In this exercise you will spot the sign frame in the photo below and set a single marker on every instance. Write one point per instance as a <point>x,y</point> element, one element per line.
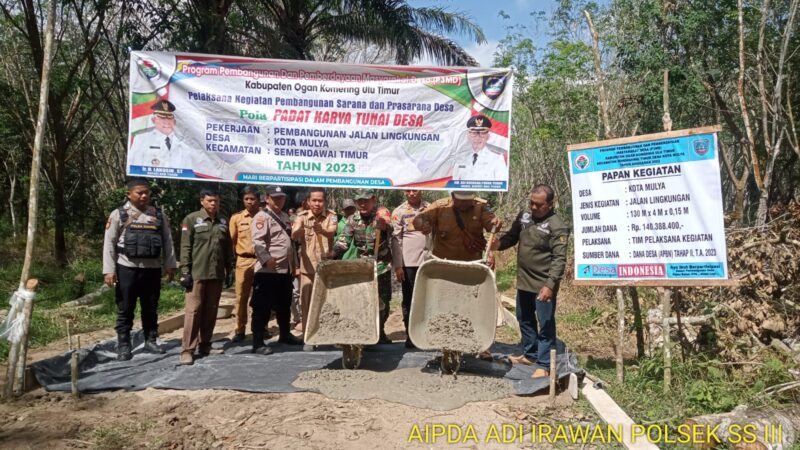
<point>656,282</point>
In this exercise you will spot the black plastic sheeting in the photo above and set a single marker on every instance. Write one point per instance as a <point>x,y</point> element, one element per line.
<point>238,369</point>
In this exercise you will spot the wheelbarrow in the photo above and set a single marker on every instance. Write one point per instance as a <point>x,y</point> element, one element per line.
<point>453,309</point>
<point>345,308</point>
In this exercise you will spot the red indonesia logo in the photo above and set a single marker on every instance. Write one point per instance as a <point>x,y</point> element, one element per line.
<point>641,270</point>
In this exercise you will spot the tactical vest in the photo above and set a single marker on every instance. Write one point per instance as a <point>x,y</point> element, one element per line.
<point>142,240</point>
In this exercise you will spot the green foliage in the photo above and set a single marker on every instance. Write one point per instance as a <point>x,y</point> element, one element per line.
<point>57,286</point>
<point>506,276</point>
<point>582,318</point>
<point>700,385</point>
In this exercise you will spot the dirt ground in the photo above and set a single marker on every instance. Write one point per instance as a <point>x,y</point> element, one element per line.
<point>236,420</point>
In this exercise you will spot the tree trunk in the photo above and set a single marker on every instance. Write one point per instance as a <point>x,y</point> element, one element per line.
<point>18,352</point>
<point>13,179</point>
<point>598,70</point>
<point>766,429</point>
<point>60,218</point>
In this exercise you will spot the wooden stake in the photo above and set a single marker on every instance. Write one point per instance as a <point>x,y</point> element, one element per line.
<point>553,367</point>
<point>666,312</point>
<point>637,321</point>
<point>620,335</point>
<point>74,372</point>
<point>666,299</point>
<point>69,337</point>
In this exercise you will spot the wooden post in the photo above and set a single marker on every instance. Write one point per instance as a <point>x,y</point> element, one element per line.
<point>620,335</point>
<point>666,299</point>
<point>553,370</point>
<point>74,372</point>
<point>637,321</point>
<point>666,312</point>
<point>69,338</point>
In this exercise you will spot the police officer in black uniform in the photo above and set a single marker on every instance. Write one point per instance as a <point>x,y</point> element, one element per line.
<point>137,241</point>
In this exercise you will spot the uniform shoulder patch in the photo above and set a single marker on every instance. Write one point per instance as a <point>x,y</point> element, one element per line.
<point>563,238</point>
<point>440,203</point>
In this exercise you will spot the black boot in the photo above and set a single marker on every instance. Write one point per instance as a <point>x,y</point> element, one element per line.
<point>124,347</point>
<point>150,343</point>
<point>290,339</point>
<point>285,327</point>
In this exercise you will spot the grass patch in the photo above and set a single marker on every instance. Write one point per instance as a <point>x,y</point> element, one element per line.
<point>700,385</point>
<point>581,318</point>
<point>57,286</point>
<point>506,276</point>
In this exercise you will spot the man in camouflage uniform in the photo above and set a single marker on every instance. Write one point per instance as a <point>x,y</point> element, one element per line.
<point>359,230</point>
<point>541,258</point>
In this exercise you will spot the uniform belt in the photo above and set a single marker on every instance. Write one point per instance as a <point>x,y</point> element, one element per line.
<point>246,255</point>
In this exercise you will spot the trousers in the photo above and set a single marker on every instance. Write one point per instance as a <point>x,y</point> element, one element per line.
<point>132,284</point>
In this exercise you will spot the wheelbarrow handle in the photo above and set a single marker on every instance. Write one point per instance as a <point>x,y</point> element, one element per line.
<point>377,243</point>
<point>489,243</point>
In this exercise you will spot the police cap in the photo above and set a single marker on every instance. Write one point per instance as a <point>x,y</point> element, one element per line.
<point>479,122</point>
<point>275,191</point>
<point>464,195</point>
<point>163,108</point>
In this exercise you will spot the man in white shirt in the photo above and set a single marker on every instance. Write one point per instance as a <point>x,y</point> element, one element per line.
<point>481,164</point>
<point>160,147</point>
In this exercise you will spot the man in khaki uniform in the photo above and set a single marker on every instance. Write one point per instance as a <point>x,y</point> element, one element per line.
<point>457,224</point>
<point>274,270</point>
<point>206,259</point>
<point>314,228</point>
<point>240,226</point>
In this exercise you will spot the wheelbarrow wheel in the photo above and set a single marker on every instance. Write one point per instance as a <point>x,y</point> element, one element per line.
<point>451,361</point>
<point>351,356</point>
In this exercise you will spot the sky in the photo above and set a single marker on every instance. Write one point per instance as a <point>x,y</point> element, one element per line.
<point>486,13</point>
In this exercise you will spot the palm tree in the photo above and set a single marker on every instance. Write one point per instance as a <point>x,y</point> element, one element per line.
<point>297,29</point>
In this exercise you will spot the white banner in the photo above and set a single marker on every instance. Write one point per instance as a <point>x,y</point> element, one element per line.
<point>649,207</point>
<point>283,122</point>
